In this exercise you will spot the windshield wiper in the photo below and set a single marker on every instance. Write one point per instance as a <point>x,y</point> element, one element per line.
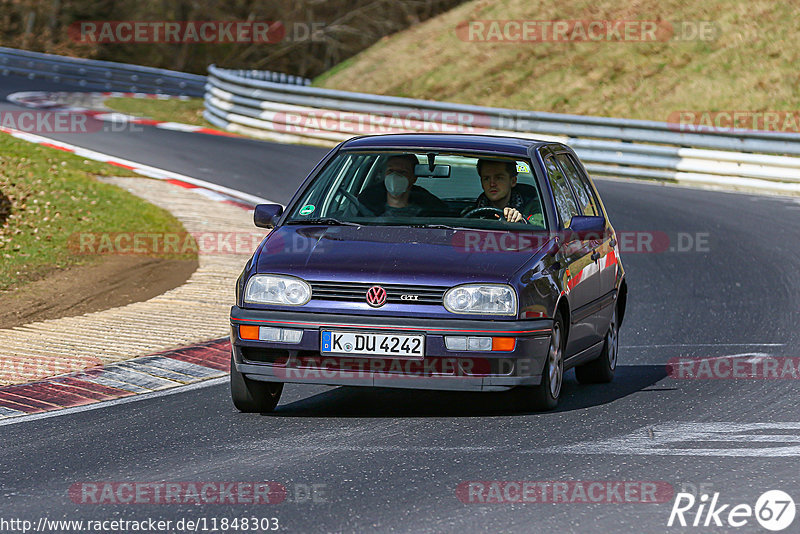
<point>330,221</point>
<point>440,227</point>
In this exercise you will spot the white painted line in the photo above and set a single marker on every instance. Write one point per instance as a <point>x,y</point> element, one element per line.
<point>682,439</point>
<point>139,168</point>
<point>8,412</point>
<point>756,358</point>
<point>116,402</point>
<point>178,126</point>
<point>752,357</point>
<point>213,195</point>
<point>689,345</point>
<point>329,447</point>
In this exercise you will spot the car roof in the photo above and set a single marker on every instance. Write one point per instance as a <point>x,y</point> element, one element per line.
<point>513,146</point>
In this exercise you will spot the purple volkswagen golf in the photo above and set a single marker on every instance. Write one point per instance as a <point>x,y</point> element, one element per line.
<point>433,261</point>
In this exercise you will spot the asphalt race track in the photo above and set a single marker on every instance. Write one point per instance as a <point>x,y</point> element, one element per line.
<point>238,162</point>
<point>391,460</point>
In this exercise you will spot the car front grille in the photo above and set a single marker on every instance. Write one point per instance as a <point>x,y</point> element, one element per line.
<point>395,293</point>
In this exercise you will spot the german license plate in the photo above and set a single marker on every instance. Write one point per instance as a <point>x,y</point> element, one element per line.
<point>373,344</point>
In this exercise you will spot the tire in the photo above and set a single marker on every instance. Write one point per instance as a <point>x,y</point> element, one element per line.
<point>601,370</point>
<point>545,396</point>
<point>253,396</point>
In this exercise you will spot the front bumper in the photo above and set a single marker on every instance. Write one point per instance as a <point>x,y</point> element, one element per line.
<point>440,369</point>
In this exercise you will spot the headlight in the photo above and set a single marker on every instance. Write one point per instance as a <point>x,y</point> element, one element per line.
<point>277,289</point>
<point>492,299</point>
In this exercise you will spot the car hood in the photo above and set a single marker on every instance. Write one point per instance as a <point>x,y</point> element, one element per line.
<point>387,254</point>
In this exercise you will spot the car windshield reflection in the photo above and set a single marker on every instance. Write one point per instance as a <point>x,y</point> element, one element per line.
<point>425,190</point>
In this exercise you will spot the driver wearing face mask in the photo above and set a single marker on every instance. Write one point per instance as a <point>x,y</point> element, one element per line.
<point>397,195</point>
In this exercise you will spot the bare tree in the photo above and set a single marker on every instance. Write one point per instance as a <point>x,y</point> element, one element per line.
<point>318,33</point>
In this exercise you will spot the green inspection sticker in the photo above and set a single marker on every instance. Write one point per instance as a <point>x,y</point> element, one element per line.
<point>307,209</point>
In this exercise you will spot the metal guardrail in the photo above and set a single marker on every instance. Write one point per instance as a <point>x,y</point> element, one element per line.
<point>99,75</point>
<point>254,103</point>
<point>270,76</point>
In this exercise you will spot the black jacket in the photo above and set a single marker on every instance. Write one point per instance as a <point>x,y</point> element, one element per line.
<point>374,198</point>
<point>529,194</point>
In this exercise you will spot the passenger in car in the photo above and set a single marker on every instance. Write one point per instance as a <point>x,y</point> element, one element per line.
<point>501,190</point>
<point>397,195</point>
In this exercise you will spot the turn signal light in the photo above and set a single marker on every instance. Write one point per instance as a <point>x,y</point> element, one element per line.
<point>247,331</point>
<point>503,343</point>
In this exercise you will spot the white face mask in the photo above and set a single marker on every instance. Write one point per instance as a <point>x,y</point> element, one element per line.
<point>396,184</point>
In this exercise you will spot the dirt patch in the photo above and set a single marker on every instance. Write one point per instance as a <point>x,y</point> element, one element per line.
<point>115,281</point>
<point>5,208</point>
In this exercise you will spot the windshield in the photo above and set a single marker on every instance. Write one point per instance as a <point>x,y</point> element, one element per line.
<point>423,189</point>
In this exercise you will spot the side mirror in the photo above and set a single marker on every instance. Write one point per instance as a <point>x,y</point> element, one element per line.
<point>588,228</point>
<point>265,215</point>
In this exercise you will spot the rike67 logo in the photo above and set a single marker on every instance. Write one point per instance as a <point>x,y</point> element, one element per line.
<point>774,510</point>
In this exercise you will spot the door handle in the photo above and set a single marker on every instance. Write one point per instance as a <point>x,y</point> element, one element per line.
<point>595,256</point>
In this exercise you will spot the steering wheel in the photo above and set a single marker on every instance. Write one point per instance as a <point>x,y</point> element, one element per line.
<point>362,209</point>
<point>488,210</point>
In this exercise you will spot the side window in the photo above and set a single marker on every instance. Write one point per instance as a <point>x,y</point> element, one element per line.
<point>565,203</point>
<point>587,206</point>
<point>336,203</point>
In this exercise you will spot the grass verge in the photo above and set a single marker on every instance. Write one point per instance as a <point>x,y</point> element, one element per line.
<point>183,111</point>
<point>50,195</point>
<point>748,65</point>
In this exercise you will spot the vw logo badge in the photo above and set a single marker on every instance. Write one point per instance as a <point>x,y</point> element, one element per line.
<point>376,296</point>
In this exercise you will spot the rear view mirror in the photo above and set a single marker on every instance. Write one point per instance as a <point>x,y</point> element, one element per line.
<point>266,215</point>
<point>588,228</point>
<point>439,171</point>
